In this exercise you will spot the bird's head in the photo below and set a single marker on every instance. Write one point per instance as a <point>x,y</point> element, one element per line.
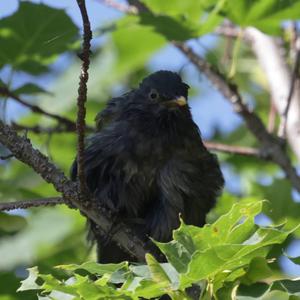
<point>165,88</point>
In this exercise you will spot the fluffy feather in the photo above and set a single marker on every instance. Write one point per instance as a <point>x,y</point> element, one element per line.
<point>147,162</point>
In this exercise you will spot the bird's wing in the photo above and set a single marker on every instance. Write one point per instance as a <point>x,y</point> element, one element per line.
<point>187,185</point>
<point>111,170</point>
<point>105,117</point>
<point>112,110</point>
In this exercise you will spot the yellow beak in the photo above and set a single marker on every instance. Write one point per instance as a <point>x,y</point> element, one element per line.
<point>181,101</point>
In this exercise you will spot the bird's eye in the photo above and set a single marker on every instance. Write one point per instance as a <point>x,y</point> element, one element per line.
<point>153,95</point>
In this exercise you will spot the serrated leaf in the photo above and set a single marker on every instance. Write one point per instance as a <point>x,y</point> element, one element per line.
<point>95,268</point>
<point>51,283</point>
<point>149,289</point>
<point>86,288</point>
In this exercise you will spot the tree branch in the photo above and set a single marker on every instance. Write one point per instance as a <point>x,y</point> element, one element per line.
<point>82,96</point>
<point>4,91</point>
<point>5,157</point>
<point>269,55</point>
<point>246,151</point>
<point>6,206</point>
<point>128,9</point>
<point>22,149</point>
<point>60,128</point>
<point>295,77</point>
<point>272,117</point>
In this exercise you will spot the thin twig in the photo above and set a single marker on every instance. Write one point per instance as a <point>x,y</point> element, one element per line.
<point>245,151</point>
<point>25,204</point>
<point>82,95</point>
<point>4,91</point>
<point>295,77</point>
<point>60,128</point>
<point>228,30</point>
<point>272,117</point>
<point>128,9</point>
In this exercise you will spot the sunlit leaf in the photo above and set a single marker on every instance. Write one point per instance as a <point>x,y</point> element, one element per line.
<point>30,282</point>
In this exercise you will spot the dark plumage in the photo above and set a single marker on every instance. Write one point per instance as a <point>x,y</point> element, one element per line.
<point>147,162</point>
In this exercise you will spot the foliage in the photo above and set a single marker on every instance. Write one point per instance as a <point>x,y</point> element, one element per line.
<point>227,257</point>
<point>231,257</point>
<point>30,52</point>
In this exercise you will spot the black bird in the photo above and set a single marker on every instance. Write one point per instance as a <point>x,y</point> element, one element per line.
<point>147,162</point>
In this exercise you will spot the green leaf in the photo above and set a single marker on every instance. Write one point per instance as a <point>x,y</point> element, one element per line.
<point>84,287</point>
<point>95,268</point>
<point>11,223</point>
<point>31,43</point>
<point>278,295</point>
<point>295,260</point>
<point>266,15</point>
<point>53,284</point>
<point>30,88</point>
<point>258,269</point>
<point>254,291</point>
<point>157,272</point>
<point>168,27</point>
<point>231,264</point>
<point>130,53</point>
<point>228,244</point>
<point>188,9</point>
<point>278,195</point>
<point>177,255</point>
<point>149,289</point>
<point>290,285</point>
<point>183,20</point>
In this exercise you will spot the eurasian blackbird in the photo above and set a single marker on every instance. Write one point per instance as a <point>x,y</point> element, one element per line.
<point>147,163</point>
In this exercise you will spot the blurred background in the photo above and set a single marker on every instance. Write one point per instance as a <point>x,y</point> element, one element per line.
<point>120,59</point>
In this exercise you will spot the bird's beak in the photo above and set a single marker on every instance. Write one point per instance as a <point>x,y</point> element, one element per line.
<point>180,101</point>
